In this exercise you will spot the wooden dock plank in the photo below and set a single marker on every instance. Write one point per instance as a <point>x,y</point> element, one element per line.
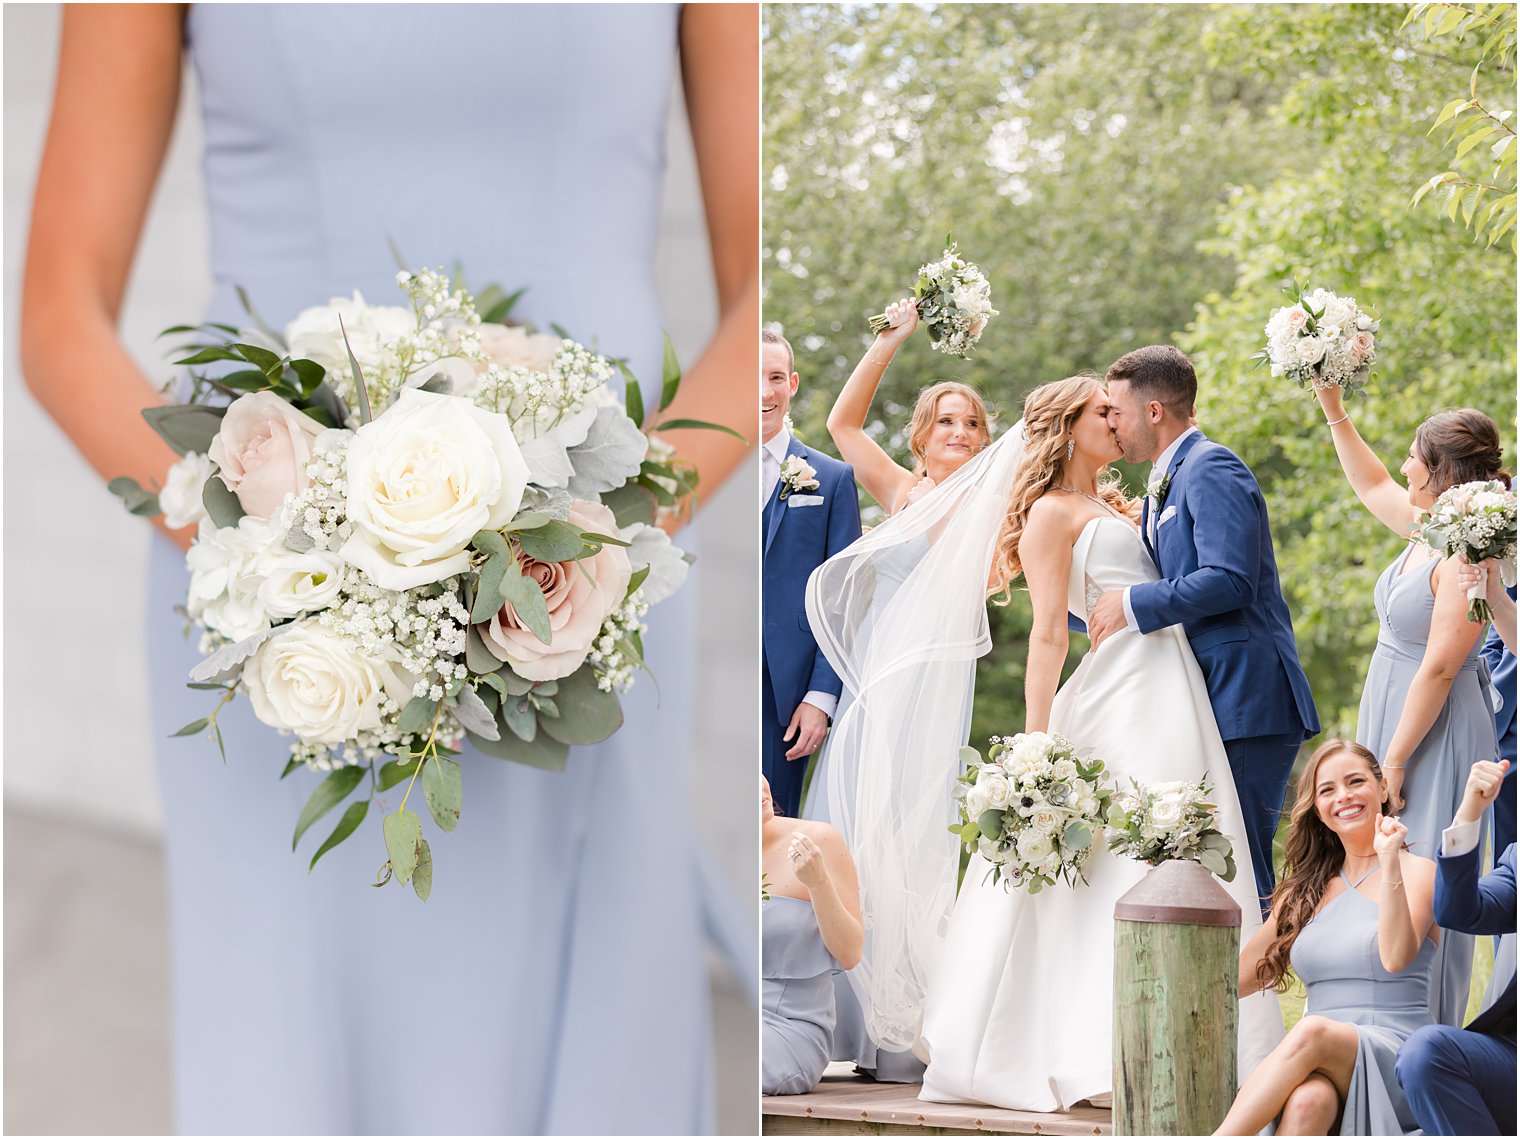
<point>847,1104</point>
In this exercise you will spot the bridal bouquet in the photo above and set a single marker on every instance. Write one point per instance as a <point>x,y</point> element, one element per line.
<point>1321,339</point>
<point>1033,808</point>
<point>1474,521</point>
<point>954,299</point>
<point>416,526</point>
<point>1158,822</point>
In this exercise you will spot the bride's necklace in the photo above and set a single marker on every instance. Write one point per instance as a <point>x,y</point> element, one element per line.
<point>1092,498</point>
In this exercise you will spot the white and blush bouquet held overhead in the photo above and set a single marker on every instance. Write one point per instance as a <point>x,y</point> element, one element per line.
<point>1321,339</point>
<point>1474,521</point>
<point>1033,809</point>
<point>416,526</point>
<point>954,300</point>
<point>1158,822</point>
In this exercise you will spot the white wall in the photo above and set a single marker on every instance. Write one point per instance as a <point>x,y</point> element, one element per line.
<point>74,566</point>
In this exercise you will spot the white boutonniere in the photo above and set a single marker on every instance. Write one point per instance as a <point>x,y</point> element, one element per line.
<point>797,475</point>
<point>1159,484</point>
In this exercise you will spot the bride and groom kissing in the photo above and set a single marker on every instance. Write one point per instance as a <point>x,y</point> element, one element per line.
<point>1193,673</point>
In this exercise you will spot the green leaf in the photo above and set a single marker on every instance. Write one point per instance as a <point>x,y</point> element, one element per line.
<point>186,427</point>
<point>527,601</point>
<point>990,823</point>
<point>602,539</point>
<point>699,425</point>
<point>488,591</point>
<point>394,772</point>
<point>969,755</point>
<point>491,543</point>
<point>587,714</point>
<point>1077,837</point>
<point>195,727</point>
<point>543,752</point>
<point>263,359</point>
<point>329,793</point>
<point>1212,861</point>
<point>422,873</point>
<point>477,658</point>
<point>442,787</point>
<point>630,504</point>
<point>359,388</point>
<point>637,579</point>
<point>493,680</point>
<point>143,503</point>
<point>403,841</point>
<point>309,375</point>
<point>220,503</point>
<point>553,542</point>
<point>417,715</point>
<point>292,764</point>
<point>208,356</point>
<point>670,375</point>
<point>633,398</point>
<point>1450,21</point>
<point>1474,139</point>
<point>527,520</point>
<point>518,714</point>
<point>1447,112</point>
<point>346,826</point>
<point>253,315</point>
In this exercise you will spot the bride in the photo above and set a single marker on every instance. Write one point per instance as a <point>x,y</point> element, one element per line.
<point>1008,995</point>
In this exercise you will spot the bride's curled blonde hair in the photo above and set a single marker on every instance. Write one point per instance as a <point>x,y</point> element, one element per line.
<point>1049,414</point>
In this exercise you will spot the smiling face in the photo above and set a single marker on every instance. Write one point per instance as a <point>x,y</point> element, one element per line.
<point>1417,477</point>
<point>1347,795</point>
<point>778,384</point>
<point>1134,422</point>
<point>1091,433</point>
<point>955,434</point>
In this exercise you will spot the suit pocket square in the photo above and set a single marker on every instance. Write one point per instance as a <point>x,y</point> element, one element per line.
<point>804,500</point>
<point>1166,516</point>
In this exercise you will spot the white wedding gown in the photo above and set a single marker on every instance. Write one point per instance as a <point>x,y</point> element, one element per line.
<point>1018,1008</point>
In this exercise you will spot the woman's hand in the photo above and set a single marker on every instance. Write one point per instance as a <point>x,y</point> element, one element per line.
<point>1388,838</point>
<point>1331,400</point>
<point>902,317</point>
<point>922,487</point>
<point>807,861</point>
<point>1393,783</point>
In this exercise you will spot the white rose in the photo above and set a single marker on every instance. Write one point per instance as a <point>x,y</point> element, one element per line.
<point>261,451</point>
<point>976,803</point>
<point>1045,819</point>
<point>302,583</point>
<point>423,478</point>
<point>1166,812</point>
<point>1066,770</point>
<point>317,335</point>
<point>1364,322</point>
<point>1311,350</point>
<point>227,567</point>
<point>1035,846</point>
<point>181,499</point>
<point>322,687</point>
<point>999,791</point>
<point>989,850</point>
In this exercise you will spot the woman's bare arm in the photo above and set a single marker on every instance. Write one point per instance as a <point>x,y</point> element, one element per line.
<point>1369,479</point>
<point>720,72</point>
<point>875,470</point>
<point>113,113</point>
<point>1045,553</point>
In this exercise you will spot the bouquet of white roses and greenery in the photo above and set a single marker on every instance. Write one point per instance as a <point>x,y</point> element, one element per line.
<point>954,300</point>
<point>1158,822</point>
<point>1033,808</point>
<point>417,525</point>
<point>1321,339</point>
<point>1474,521</point>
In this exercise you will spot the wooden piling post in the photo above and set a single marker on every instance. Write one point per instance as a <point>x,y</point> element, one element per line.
<point>1176,1009</point>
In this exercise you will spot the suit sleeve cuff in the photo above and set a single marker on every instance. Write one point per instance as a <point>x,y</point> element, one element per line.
<point>1459,839</point>
<point>1129,612</point>
<point>825,702</point>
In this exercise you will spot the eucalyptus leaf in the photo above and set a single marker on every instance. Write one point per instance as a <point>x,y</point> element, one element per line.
<point>530,520</point>
<point>990,823</point>
<point>220,503</point>
<point>417,715</point>
<point>422,873</point>
<point>477,658</point>
<point>552,542</point>
<point>493,680</point>
<point>346,826</point>
<point>442,787</point>
<point>631,503</point>
<point>394,772</point>
<point>542,752</point>
<point>329,793</point>
<point>488,590</point>
<point>143,503</point>
<point>188,428</point>
<point>515,685</point>
<point>472,713</point>
<point>611,455</point>
<point>520,718</point>
<point>403,842</point>
<point>1212,861</point>
<point>587,714</point>
<point>195,727</point>
<point>527,601</point>
<point>1077,837</point>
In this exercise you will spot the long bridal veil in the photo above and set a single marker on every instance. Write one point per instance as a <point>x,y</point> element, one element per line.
<point>901,615</point>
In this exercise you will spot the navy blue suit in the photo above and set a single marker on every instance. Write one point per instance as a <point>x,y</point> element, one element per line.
<point>797,539</point>
<point>1461,1081</point>
<point>1219,582</point>
<point>1501,666</point>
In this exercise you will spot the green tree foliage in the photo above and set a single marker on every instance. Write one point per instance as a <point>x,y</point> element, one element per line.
<point>1127,175</point>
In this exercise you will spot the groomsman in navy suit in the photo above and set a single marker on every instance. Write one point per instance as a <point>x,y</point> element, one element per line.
<point>1461,1081</point>
<point>809,512</point>
<point>1204,522</point>
<point>1501,667</point>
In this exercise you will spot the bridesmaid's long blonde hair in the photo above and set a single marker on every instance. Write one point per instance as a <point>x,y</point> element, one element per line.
<point>1049,413</point>
<point>923,418</point>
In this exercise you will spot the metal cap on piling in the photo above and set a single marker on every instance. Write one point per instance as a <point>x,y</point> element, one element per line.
<point>1179,892</point>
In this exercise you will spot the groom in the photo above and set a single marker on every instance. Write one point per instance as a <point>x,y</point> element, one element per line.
<point>1204,522</point>
<point>809,512</point>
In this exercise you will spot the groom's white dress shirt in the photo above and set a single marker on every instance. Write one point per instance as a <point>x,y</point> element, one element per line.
<point>772,455</point>
<point>1163,461</point>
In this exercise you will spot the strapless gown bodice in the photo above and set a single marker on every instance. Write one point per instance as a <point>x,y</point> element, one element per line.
<point>1104,558</point>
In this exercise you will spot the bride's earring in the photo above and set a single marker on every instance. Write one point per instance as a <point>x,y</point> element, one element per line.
<point>1071,446</point>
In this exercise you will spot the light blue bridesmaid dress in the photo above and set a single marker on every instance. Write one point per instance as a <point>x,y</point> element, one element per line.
<point>1435,775</point>
<point>1336,957</point>
<point>555,981</point>
<point>797,998</point>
